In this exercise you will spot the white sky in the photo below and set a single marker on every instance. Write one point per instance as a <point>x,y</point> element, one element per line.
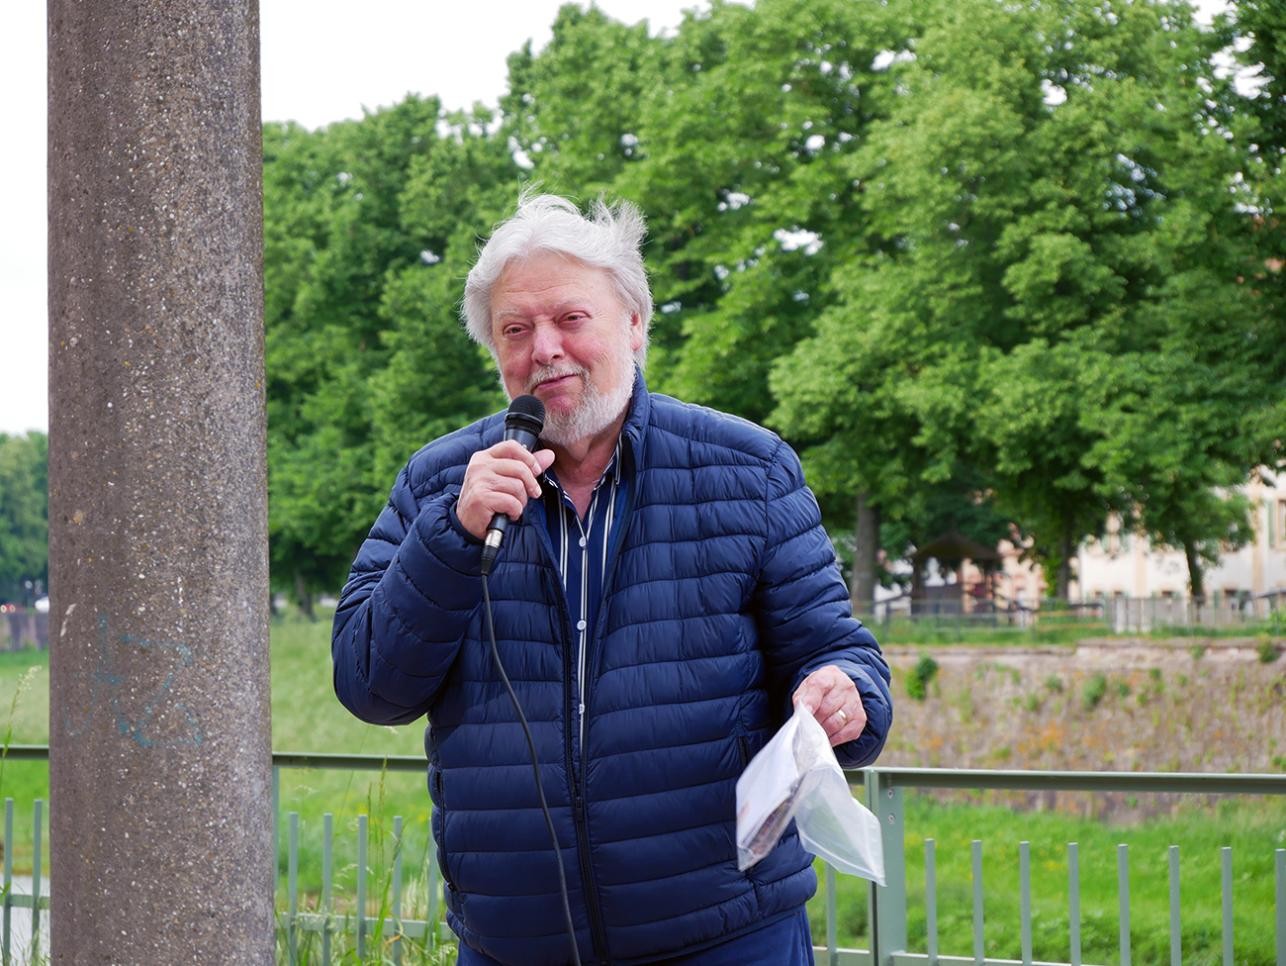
<point>322,60</point>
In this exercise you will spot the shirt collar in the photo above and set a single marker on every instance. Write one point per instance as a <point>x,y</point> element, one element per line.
<point>612,472</point>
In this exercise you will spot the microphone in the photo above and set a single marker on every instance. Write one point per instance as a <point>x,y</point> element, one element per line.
<point>524,421</point>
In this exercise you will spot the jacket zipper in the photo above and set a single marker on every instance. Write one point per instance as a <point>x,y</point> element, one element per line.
<point>575,705</point>
<point>579,810</point>
<point>578,777</point>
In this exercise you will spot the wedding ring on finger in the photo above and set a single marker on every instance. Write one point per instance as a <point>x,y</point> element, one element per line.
<point>843,718</point>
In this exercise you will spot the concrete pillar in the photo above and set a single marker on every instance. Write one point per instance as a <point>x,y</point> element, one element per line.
<point>159,720</point>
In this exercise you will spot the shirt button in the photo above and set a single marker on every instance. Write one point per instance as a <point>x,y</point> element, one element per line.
<point>580,625</point>
<point>582,541</point>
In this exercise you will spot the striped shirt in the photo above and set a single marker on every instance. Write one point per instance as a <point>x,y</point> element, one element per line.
<point>581,546</point>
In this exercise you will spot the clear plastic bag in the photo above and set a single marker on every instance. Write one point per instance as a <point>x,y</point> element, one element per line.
<point>796,776</point>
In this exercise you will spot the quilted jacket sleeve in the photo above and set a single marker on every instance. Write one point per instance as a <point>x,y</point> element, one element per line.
<point>408,601</point>
<point>804,615</point>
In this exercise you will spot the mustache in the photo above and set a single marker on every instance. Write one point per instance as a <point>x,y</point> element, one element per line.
<point>546,373</point>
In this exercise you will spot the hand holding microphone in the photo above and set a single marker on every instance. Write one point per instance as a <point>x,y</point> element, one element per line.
<point>501,479</point>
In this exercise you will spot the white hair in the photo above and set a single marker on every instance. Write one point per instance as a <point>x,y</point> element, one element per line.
<point>610,239</point>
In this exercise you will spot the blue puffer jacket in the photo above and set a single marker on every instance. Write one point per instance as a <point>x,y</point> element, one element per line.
<point>722,596</point>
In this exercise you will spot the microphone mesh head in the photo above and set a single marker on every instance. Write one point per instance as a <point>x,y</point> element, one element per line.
<point>526,410</point>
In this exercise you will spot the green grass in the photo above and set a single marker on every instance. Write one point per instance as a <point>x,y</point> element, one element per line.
<point>948,630</point>
<point>1053,628</point>
<point>306,717</point>
<point>1252,827</point>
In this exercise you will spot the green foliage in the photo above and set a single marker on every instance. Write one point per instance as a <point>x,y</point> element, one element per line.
<point>917,682</point>
<point>574,109</point>
<point>369,228</point>
<point>1002,270</point>
<point>1058,271</point>
<point>750,217</point>
<point>1268,652</point>
<point>1093,693</point>
<point>24,514</point>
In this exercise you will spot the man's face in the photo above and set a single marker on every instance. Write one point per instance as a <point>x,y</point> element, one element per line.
<point>562,334</point>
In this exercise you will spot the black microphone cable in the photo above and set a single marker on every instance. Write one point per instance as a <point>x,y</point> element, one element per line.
<point>523,423</point>
<point>535,767</point>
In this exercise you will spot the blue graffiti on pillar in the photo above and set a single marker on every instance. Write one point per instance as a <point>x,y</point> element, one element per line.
<point>109,689</point>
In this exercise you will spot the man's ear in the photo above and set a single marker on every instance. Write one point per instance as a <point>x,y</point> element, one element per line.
<point>636,331</point>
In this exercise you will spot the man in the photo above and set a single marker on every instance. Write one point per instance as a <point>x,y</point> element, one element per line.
<point>664,594</point>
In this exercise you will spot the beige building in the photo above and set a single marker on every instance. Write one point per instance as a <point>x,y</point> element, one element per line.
<point>1126,565</point>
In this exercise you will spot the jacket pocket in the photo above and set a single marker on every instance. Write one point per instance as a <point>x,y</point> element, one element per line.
<point>439,824</point>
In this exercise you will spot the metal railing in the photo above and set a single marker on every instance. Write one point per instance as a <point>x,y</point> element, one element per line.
<point>389,926</point>
<point>887,905</point>
<point>884,793</point>
<point>1092,617</point>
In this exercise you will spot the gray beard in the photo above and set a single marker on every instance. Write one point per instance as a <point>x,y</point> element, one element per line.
<point>596,412</point>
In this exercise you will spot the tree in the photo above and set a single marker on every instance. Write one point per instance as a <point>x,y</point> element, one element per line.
<point>1051,181</point>
<point>437,379</point>
<point>751,215</point>
<point>573,109</point>
<point>24,514</point>
<point>333,234</point>
<point>1263,24</point>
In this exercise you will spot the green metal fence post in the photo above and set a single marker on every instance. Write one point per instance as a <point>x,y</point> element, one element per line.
<point>276,820</point>
<point>931,901</point>
<point>434,888</point>
<point>979,906</point>
<point>397,890</point>
<point>1074,904</point>
<point>328,831</point>
<point>888,920</point>
<point>832,945</point>
<point>1226,856</point>
<point>1024,899</point>
<point>292,891</point>
<point>8,878</point>
<point>361,886</point>
<point>1123,893</point>
<point>1280,856</point>
<point>37,827</point>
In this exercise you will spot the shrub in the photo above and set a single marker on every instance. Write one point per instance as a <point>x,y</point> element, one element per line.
<point>917,683</point>
<point>1095,689</point>
<point>1268,652</point>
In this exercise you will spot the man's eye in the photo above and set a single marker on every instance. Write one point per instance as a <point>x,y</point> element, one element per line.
<point>512,330</point>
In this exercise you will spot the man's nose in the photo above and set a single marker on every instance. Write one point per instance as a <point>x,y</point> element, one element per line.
<point>547,344</point>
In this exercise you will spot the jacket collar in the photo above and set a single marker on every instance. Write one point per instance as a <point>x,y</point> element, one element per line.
<point>634,432</point>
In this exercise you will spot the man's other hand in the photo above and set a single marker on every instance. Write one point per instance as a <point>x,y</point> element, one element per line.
<point>499,480</point>
<point>832,697</point>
